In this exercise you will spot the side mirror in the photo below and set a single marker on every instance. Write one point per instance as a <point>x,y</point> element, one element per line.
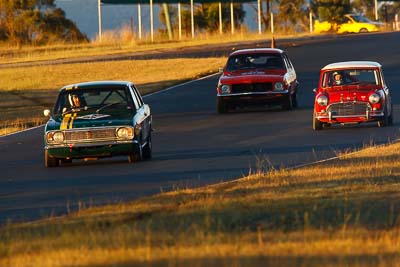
<point>220,70</point>
<point>46,112</point>
<point>314,90</point>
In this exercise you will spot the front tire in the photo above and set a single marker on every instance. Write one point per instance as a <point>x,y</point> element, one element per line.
<point>287,103</point>
<point>135,157</point>
<point>317,125</point>
<point>222,106</point>
<point>50,161</point>
<point>148,149</point>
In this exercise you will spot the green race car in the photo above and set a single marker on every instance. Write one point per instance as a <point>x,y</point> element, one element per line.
<point>95,120</point>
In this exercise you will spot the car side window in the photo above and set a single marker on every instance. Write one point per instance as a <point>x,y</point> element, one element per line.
<point>287,62</point>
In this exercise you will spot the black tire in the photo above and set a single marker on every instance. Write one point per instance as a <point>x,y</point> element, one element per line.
<point>384,121</point>
<point>317,125</point>
<point>222,106</point>
<point>148,148</point>
<point>287,103</point>
<point>135,157</point>
<point>390,118</point>
<point>50,161</point>
<point>294,100</point>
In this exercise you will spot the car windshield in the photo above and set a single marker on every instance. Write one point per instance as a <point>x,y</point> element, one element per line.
<point>255,61</point>
<point>350,77</point>
<point>94,100</point>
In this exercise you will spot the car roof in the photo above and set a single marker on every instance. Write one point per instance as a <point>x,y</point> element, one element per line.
<point>258,50</point>
<point>352,64</point>
<point>95,84</point>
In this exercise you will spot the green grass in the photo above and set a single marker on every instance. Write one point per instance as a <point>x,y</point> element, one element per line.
<point>339,213</point>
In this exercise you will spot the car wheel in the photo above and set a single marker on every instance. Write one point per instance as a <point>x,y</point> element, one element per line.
<point>363,30</point>
<point>317,125</point>
<point>222,106</point>
<point>390,118</point>
<point>294,100</point>
<point>384,121</point>
<point>148,148</point>
<point>287,103</point>
<point>135,157</point>
<point>50,161</point>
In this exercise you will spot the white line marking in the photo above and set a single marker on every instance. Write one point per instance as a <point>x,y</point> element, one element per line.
<point>155,93</point>
<point>179,85</point>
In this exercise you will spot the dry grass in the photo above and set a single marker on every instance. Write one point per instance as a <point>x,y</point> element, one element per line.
<point>37,87</point>
<point>121,41</point>
<point>339,213</point>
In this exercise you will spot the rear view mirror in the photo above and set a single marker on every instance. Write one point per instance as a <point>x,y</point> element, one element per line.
<point>220,70</point>
<point>46,112</point>
<point>314,90</point>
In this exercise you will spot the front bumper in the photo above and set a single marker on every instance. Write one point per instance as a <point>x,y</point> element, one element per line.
<point>330,117</point>
<point>255,97</point>
<point>95,150</point>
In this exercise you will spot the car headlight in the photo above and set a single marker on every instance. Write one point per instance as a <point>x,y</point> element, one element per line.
<point>225,89</point>
<point>322,100</point>
<point>374,98</point>
<point>55,137</point>
<point>278,86</point>
<point>125,132</point>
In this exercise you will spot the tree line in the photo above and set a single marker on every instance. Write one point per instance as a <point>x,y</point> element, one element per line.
<point>38,22</point>
<point>289,15</point>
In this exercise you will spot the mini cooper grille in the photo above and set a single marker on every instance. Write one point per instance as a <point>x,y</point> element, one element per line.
<point>89,135</point>
<point>349,108</point>
<point>251,87</point>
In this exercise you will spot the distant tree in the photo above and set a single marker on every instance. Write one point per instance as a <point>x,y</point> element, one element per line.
<point>365,7</point>
<point>293,15</point>
<point>36,22</point>
<point>206,17</point>
<point>331,10</point>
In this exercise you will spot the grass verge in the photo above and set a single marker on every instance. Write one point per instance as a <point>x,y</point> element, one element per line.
<point>343,212</point>
<point>114,43</point>
<point>26,91</point>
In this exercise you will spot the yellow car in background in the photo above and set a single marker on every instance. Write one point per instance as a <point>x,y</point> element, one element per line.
<point>350,23</point>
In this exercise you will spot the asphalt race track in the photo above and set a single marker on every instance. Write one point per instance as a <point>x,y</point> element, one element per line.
<point>193,145</point>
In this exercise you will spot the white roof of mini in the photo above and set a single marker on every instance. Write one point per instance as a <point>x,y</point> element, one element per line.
<point>352,64</point>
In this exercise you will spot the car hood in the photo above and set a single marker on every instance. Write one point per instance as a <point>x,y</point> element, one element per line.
<point>253,76</point>
<point>87,119</point>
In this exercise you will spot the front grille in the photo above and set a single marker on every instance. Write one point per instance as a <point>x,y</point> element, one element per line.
<point>251,87</point>
<point>90,135</point>
<point>349,108</point>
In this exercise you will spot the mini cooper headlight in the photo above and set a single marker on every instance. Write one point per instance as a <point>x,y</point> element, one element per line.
<point>225,89</point>
<point>278,86</point>
<point>374,98</point>
<point>55,137</point>
<point>125,132</point>
<point>322,100</point>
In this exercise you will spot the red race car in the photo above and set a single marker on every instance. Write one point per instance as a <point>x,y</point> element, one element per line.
<point>261,76</point>
<point>352,92</point>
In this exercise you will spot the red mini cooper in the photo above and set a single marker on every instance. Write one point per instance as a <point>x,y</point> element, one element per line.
<point>352,92</point>
<point>261,76</point>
